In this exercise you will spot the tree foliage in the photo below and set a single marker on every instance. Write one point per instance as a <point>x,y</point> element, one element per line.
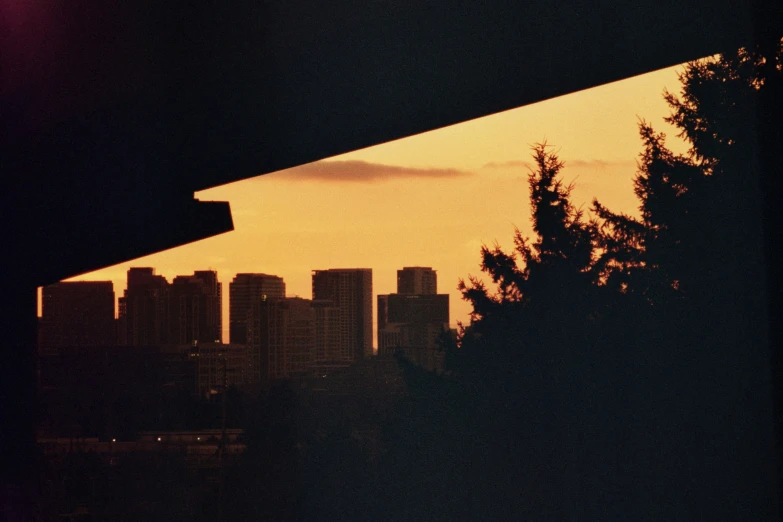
<point>560,257</point>
<point>630,319</point>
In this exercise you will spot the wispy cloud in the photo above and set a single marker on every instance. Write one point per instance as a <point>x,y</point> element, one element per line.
<point>572,163</point>
<point>364,172</point>
<point>600,164</point>
<point>506,164</point>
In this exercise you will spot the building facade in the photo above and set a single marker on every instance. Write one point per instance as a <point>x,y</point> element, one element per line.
<point>282,336</point>
<point>245,291</point>
<point>327,335</point>
<point>219,366</point>
<point>195,309</point>
<point>144,308</point>
<point>417,280</point>
<point>414,323</point>
<point>350,291</point>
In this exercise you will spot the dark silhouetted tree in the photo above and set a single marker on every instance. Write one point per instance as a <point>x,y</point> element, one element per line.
<point>542,285</point>
<point>695,255</point>
<point>632,322</point>
<point>660,253</point>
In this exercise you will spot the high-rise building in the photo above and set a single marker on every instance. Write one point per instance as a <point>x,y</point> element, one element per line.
<point>281,338</point>
<point>244,291</point>
<point>350,290</point>
<point>195,309</point>
<point>413,322</point>
<point>292,336</point>
<point>417,280</point>
<point>215,306</point>
<point>399,308</point>
<point>327,325</point>
<point>122,322</point>
<point>299,344</point>
<point>144,309</point>
<point>77,314</point>
<point>412,317</point>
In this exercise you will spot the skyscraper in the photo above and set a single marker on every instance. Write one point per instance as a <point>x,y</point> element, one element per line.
<point>215,289</point>
<point>326,335</point>
<point>195,309</point>
<point>417,280</point>
<point>400,308</point>
<point>144,309</point>
<point>350,291</point>
<point>413,322</point>
<point>77,314</point>
<point>281,338</point>
<point>245,290</point>
<point>299,343</point>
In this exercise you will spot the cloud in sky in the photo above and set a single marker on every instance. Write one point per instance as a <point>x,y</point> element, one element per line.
<point>364,172</point>
<point>572,163</point>
<point>578,163</point>
<point>507,164</point>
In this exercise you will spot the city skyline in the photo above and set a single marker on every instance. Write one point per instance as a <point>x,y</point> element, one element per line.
<point>413,201</point>
<point>244,288</point>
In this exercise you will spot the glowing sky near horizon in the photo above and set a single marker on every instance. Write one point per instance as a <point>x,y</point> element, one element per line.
<point>428,200</point>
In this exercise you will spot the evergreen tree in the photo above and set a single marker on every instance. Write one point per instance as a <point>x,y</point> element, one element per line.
<point>659,254</point>
<point>700,214</point>
<point>541,285</point>
<point>633,322</point>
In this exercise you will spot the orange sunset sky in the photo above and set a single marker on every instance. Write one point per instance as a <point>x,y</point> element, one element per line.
<point>427,200</point>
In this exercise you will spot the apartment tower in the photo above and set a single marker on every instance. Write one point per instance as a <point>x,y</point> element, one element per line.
<point>350,292</point>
